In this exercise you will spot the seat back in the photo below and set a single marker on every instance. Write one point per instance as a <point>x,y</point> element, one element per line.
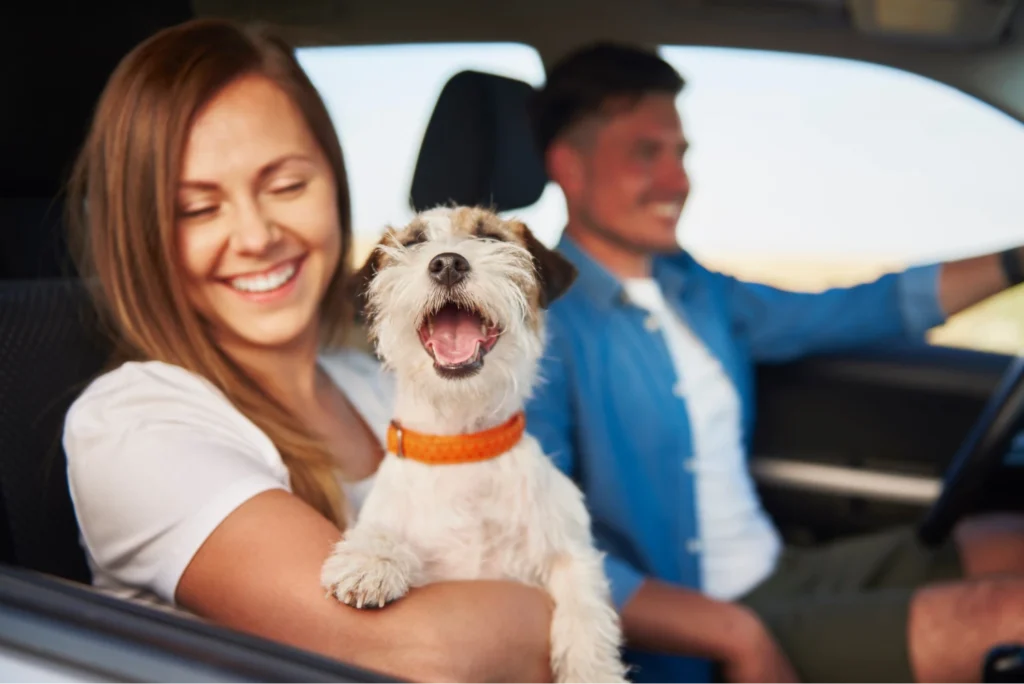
<point>50,348</point>
<point>33,242</point>
<point>478,148</point>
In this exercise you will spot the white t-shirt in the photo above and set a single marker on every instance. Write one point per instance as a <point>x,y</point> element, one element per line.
<point>739,546</point>
<point>157,458</point>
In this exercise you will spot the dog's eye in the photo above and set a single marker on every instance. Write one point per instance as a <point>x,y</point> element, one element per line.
<point>415,239</point>
<point>497,237</point>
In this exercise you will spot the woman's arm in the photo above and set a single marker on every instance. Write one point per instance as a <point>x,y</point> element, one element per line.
<point>259,572</point>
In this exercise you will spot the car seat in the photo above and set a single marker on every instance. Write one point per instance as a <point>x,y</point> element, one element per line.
<point>50,348</point>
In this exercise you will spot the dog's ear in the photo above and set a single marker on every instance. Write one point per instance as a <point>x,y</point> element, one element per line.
<point>362,278</point>
<point>556,273</point>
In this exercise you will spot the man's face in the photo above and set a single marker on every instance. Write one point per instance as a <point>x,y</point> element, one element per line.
<point>631,184</point>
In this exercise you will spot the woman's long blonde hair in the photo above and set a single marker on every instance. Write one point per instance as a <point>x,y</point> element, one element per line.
<point>122,212</point>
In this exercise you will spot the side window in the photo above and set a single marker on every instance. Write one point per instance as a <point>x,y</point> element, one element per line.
<point>381,98</point>
<point>810,172</point>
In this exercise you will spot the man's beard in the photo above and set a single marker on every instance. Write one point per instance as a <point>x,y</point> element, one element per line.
<point>621,241</point>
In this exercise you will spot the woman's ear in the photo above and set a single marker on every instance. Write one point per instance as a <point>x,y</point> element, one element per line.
<point>555,273</point>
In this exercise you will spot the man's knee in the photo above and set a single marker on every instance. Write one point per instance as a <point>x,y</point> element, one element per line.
<point>953,625</point>
<point>991,544</point>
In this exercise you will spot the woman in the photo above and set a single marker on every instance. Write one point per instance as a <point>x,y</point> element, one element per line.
<point>213,467</point>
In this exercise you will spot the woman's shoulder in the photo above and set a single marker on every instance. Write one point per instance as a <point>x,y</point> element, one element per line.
<point>144,389</point>
<point>157,458</point>
<point>151,396</point>
<point>146,376</point>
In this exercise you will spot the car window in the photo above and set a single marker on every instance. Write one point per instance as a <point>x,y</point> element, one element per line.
<point>809,172</point>
<point>381,98</point>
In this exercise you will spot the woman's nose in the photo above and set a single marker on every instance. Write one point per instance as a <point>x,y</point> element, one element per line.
<point>253,232</point>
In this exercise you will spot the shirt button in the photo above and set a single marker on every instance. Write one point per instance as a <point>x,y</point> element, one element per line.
<point>694,546</point>
<point>690,465</point>
<point>679,390</point>
<point>651,323</point>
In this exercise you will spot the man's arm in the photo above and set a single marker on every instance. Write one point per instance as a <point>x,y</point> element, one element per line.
<point>780,325</point>
<point>669,619</point>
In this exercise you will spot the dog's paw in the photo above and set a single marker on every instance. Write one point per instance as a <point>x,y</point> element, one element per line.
<point>364,580</point>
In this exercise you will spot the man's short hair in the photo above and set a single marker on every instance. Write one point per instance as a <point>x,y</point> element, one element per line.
<point>583,82</point>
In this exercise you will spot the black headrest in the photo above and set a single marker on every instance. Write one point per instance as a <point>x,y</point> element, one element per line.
<point>50,348</point>
<point>478,148</point>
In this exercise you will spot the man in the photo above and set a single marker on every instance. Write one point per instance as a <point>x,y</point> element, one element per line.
<point>647,403</point>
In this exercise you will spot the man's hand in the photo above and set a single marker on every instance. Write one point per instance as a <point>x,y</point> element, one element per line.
<point>966,282</point>
<point>666,618</point>
<point>757,657</point>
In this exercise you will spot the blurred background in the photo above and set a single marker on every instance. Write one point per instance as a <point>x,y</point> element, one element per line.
<point>807,171</point>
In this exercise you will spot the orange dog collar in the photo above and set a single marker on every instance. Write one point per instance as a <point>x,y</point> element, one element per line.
<point>452,449</point>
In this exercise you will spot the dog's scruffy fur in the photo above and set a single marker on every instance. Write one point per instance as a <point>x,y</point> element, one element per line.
<point>512,517</point>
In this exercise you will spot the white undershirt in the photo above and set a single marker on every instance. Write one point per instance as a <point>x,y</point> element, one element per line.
<point>739,545</point>
<point>157,458</point>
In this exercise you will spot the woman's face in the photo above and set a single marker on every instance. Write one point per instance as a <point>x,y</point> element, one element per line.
<point>257,218</point>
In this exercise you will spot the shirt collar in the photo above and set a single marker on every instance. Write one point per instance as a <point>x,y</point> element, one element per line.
<point>604,289</point>
<point>593,279</point>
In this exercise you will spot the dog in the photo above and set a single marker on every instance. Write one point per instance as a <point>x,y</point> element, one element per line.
<point>455,306</point>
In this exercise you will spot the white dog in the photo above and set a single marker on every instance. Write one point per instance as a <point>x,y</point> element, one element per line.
<point>455,303</point>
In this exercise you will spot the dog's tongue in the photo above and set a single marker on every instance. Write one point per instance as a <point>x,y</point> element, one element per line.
<point>455,336</point>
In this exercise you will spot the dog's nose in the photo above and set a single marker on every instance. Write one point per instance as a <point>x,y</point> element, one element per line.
<point>448,268</point>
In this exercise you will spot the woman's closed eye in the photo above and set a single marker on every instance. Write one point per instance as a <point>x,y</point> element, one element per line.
<point>288,187</point>
<point>198,211</point>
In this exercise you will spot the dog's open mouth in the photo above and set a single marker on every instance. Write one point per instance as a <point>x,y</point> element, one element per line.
<point>458,338</point>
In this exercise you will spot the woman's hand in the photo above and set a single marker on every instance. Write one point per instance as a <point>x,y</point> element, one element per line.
<point>259,572</point>
<point>471,631</point>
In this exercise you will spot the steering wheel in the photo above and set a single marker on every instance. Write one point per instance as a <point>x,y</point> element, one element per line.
<point>979,456</point>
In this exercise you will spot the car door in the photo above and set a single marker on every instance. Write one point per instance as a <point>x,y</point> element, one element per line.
<point>853,443</point>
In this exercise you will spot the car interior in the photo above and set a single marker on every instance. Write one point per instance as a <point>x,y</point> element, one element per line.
<point>916,434</point>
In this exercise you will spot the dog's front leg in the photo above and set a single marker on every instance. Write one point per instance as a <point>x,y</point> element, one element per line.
<point>585,631</point>
<point>586,635</point>
<point>370,567</point>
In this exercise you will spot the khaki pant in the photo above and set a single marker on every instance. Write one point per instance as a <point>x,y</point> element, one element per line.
<point>840,610</point>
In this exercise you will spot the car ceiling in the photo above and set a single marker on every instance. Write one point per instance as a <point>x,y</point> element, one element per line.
<point>993,73</point>
<point>54,61</point>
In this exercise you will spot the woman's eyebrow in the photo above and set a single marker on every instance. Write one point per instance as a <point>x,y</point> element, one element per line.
<point>272,167</point>
<point>267,170</point>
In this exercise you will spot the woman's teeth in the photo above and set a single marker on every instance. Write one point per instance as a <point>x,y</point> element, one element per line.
<point>266,282</point>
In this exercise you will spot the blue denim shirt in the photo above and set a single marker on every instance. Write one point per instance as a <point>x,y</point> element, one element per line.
<point>606,413</point>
